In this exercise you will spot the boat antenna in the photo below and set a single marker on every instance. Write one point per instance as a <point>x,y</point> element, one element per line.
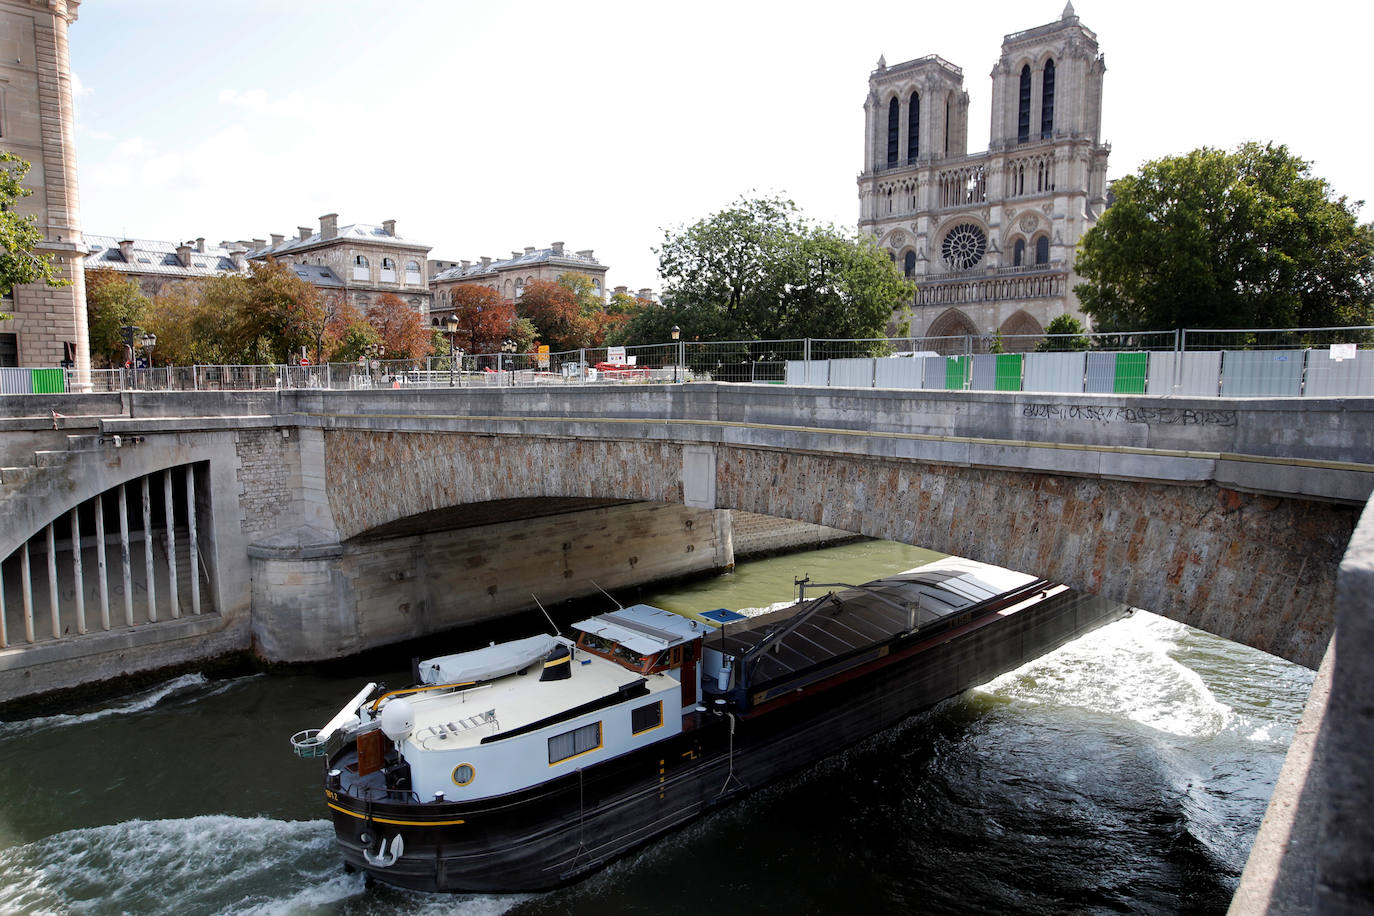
<point>618,605</point>
<point>556,631</point>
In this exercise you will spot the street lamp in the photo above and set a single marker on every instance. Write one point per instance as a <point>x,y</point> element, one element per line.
<point>677,339</point>
<point>452,324</point>
<point>507,347</point>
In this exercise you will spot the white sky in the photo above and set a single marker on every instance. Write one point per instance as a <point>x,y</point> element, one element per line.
<point>484,128</point>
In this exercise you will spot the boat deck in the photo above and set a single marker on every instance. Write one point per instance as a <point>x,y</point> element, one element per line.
<point>855,619</point>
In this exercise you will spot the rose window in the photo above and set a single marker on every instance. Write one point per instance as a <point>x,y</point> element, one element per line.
<point>964,246</point>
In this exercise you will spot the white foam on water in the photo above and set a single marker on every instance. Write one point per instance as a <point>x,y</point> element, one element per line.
<point>204,863</point>
<point>138,703</point>
<point>1124,670</point>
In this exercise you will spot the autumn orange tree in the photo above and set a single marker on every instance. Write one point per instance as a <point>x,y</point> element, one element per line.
<point>399,329</point>
<point>485,320</point>
<point>564,319</point>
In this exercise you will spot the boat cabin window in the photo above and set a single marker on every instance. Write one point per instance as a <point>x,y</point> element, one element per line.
<point>666,660</point>
<point>597,644</point>
<point>646,718</point>
<point>578,741</point>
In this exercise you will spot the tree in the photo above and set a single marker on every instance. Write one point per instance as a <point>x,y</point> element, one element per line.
<point>398,327</point>
<point>759,270</point>
<point>485,319</point>
<point>113,302</point>
<point>1065,333</point>
<point>197,321</point>
<point>277,315</point>
<point>554,309</point>
<point>1228,240</point>
<point>19,236</point>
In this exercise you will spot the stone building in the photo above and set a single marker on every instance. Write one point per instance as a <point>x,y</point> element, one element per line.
<point>363,260</point>
<point>509,277</point>
<point>36,124</point>
<point>153,264</point>
<point>989,238</point>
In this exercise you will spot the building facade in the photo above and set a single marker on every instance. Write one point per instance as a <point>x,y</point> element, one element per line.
<point>153,264</point>
<point>509,277</point>
<point>48,327</point>
<point>363,260</point>
<point>988,238</point>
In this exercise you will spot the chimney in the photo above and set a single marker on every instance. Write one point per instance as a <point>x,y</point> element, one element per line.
<point>586,253</point>
<point>200,244</point>
<point>277,239</point>
<point>621,290</point>
<point>329,225</point>
<point>389,227</point>
<point>184,254</point>
<point>466,264</point>
<point>262,243</point>
<point>305,232</point>
<point>237,256</point>
<point>126,250</point>
<point>558,248</point>
<point>514,255</point>
<point>529,249</point>
<point>486,262</point>
<point>646,293</point>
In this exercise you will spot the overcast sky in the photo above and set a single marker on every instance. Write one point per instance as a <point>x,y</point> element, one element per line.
<point>484,128</point>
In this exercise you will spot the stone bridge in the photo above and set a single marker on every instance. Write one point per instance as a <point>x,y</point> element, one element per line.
<point>309,524</point>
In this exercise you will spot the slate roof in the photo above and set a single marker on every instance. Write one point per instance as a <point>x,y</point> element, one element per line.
<point>538,256</point>
<point>361,232</point>
<point>154,257</point>
<point>317,275</point>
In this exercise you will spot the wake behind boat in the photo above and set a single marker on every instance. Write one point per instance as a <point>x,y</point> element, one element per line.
<point>526,764</point>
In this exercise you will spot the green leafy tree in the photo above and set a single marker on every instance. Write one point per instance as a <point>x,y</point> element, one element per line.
<point>19,236</point>
<point>277,315</point>
<point>196,321</point>
<point>113,301</point>
<point>1248,238</point>
<point>1065,333</point>
<point>759,270</point>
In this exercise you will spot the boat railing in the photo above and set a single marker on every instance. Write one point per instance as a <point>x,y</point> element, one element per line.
<point>366,792</point>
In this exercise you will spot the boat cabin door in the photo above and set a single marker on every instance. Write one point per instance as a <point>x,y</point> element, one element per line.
<point>689,673</point>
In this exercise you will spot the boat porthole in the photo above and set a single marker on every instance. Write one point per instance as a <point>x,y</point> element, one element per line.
<point>463,774</point>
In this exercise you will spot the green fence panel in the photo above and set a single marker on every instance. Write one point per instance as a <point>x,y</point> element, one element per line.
<point>1130,373</point>
<point>1009,371</point>
<point>956,373</point>
<point>48,381</point>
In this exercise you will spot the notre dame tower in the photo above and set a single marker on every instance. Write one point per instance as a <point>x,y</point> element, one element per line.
<point>989,238</point>
<point>37,123</point>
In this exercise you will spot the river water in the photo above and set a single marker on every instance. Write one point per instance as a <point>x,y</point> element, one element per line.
<point>1125,773</point>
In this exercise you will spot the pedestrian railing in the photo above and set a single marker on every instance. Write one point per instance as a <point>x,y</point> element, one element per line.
<point>1303,362</point>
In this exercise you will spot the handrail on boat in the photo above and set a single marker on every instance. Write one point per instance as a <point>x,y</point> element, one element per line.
<point>392,693</point>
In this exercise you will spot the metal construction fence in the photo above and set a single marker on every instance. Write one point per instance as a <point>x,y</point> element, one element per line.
<point>1230,363</point>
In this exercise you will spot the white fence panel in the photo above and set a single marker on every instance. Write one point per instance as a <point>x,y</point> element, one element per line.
<point>1328,378</point>
<point>897,372</point>
<point>1261,373</point>
<point>851,373</point>
<point>1099,376</point>
<point>16,381</point>
<point>984,372</point>
<point>1057,372</point>
<point>1195,373</point>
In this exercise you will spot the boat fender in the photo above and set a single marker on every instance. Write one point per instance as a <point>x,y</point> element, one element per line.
<point>384,858</point>
<point>557,664</point>
<point>723,678</point>
<point>398,719</point>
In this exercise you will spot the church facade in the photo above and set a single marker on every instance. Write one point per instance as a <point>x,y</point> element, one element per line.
<point>988,238</point>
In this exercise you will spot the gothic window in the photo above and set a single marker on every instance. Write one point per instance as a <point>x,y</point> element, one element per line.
<point>1042,250</point>
<point>909,264</point>
<point>946,126</point>
<point>1047,102</point>
<point>964,246</point>
<point>913,123</point>
<point>893,130</point>
<point>1023,110</point>
<point>1018,254</point>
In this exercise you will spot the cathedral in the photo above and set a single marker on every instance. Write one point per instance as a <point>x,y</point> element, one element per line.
<point>988,238</point>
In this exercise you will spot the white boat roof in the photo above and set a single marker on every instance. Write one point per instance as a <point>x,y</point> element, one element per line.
<point>642,628</point>
<point>462,718</point>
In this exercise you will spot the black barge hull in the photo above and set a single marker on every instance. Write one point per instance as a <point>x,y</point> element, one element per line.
<point>559,831</point>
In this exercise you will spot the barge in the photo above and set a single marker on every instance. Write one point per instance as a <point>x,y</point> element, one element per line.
<point>527,764</point>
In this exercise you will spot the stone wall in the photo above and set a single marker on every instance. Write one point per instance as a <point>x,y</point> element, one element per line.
<point>758,535</point>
